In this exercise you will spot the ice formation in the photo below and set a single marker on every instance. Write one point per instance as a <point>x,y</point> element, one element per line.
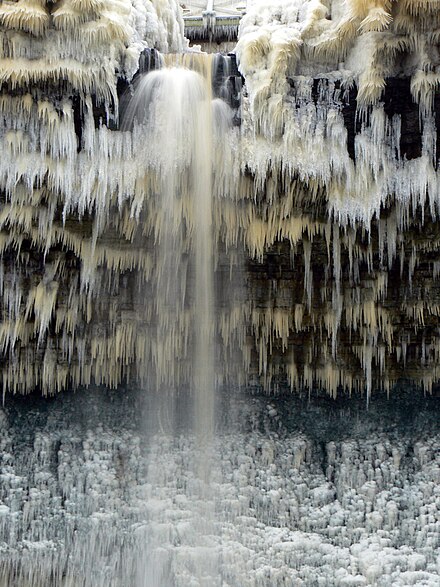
<point>322,228</point>
<point>325,196</point>
<point>286,47</point>
<point>60,64</point>
<point>86,498</point>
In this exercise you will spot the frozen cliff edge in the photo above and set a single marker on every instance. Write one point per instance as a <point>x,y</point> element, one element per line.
<point>326,198</point>
<point>285,46</point>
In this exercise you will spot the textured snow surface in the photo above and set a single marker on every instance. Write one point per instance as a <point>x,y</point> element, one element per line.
<point>302,495</point>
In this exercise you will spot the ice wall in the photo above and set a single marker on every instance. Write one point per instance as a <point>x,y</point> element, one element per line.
<point>364,40</point>
<point>83,43</point>
<point>60,175</point>
<point>284,45</point>
<point>325,196</point>
<point>340,135</point>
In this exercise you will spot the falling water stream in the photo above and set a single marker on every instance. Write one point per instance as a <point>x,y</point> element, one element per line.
<point>173,107</point>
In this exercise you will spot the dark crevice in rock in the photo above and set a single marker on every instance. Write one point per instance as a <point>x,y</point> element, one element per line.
<point>398,101</point>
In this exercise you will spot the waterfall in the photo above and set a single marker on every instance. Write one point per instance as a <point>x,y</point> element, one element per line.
<point>267,221</point>
<point>174,111</point>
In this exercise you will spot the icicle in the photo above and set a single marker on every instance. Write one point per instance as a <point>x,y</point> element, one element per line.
<point>308,274</point>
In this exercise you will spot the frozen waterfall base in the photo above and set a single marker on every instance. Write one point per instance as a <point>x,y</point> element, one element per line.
<point>306,491</point>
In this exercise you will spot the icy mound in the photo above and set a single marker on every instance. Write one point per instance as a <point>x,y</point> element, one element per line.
<point>88,496</point>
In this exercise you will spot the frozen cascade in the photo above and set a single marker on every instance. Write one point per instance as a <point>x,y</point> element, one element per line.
<point>326,168</point>
<point>322,164</point>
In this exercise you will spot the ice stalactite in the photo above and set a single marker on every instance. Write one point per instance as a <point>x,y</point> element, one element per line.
<point>325,194</point>
<point>328,145</point>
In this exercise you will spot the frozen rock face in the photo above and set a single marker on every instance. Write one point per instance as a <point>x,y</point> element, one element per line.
<point>340,134</point>
<point>300,494</point>
<point>325,199</point>
<point>83,43</point>
<point>284,46</point>
<point>365,40</point>
<point>60,63</point>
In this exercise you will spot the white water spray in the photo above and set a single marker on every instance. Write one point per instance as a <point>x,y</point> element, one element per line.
<point>172,107</point>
